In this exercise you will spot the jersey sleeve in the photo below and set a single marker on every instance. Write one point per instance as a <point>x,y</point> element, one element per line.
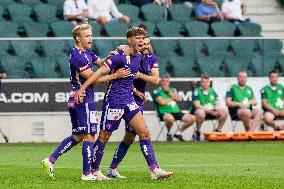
<point>114,61</point>
<point>229,93</point>
<point>94,57</point>
<point>195,96</point>
<point>156,94</point>
<point>251,92</point>
<point>154,62</point>
<point>263,94</point>
<point>80,63</point>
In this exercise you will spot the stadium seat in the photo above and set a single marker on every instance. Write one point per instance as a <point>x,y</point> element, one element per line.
<point>103,47</point>
<point>46,13</point>
<point>52,48</point>
<point>223,29</point>
<point>270,45</point>
<point>115,29</point>
<point>130,10</point>
<point>1,12</point>
<point>248,29</point>
<point>164,48</point>
<point>183,66</point>
<point>210,65</point>
<point>8,29</point>
<point>191,48</point>
<point>32,3</point>
<point>44,68</point>
<point>169,28</point>
<point>262,65</point>
<point>4,45</point>
<point>241,47</point>
<point>62,29</point>
<point>180,13</point>
<point>18,74</point>
<point>217,47</point>
<point>151,26</point>
<point>281,64</point>
<point>25,48</point>
<point>57,3</point>
<point>235,65</point>
<point>34,29</point>
<point>153,13</point>
<point>164,66</point>
<point>197,29</point>
<point>19,11</point>
<point>5,3</point>
<point>11,63</point>
<point>96,29</point>
<point>63,64</point>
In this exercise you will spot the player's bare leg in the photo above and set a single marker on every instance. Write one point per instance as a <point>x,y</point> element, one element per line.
<point>257,115</point>
<point>222,117</point>
<point>245,116</point>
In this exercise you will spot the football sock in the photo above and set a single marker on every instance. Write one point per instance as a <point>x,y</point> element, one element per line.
<point>148,152</point>
<point>119,154</point>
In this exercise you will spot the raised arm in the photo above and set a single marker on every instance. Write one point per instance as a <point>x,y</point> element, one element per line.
<point>153,78</point>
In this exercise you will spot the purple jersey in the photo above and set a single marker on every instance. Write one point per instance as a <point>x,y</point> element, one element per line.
<point>147,63</point>
<point>79,62</point>
<point>119,91</point>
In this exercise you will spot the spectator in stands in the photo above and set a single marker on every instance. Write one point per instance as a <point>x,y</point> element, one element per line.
<point>233,10</point>
<point>206,105</point>
<point>75,11</point>
<point>241,103</point>
<point>166,99</point>
<point>3,75</point>
<point>140,3</point>
<point>208,11</point>
<point>104,11</point>
<point>272,96</point>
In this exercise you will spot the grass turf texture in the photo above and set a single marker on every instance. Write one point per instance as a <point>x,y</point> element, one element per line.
<point>195,165</point>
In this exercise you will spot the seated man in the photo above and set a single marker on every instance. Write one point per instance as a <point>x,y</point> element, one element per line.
<point>208,11</point>
<point>206,106</point>
<point>240,101</point>
<point>104,11</point>
<point>272,96</point>
<point>75,11</point>
<point>167,98</point>
<point>233,10</point>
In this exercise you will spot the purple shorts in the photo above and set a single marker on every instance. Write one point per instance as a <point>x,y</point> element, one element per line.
<point>128,128</point>
<point>112,115</point>
<point>84,118</point>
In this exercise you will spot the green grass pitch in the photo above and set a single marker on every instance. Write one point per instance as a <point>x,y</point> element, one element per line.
<point>195,165</point>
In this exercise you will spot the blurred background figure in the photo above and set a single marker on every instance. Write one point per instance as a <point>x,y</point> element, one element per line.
<point>75,11</point>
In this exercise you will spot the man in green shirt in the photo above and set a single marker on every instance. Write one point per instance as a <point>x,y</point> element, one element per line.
<point>166,99</point>
<point>206,105</point>
<point>241,103</point>
<point>272,96</point>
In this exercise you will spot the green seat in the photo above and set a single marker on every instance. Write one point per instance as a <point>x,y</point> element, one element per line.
<point>241,47</point>
<point>217,47</point>
<point>103,47</point>
<point>164,66</point>
<point>96,29</point>
<point>62,28</point>
<point>219,3</point>
<point>5,3</point>
<point>249,29</point>
<point>32,3</point>
<point>18,11</point>
<point>4,46</point>
<point>150,26</point>
<point>210,65</point>
<point>46,13</point>
<point>11,63</point>
<point>116,29</point>
<point>197,29</point>
<point>180,13</point>
<point>236,65</point>
<point>169,28</point>
<point>34,29</point>
<point>44,68</point>
<point>153,13</point>
<point>119,42</point>
<point>223,29</point>
<point>183,66</point>
<point>270,45</point>
<point>192,48</point>
<point>1,12</point>
<point>164,48</point>
<point>52,48</point>
<point>57,3</point>
<point>281,63</point>
<point>8,29</point>
<point>18,74</point>
<point>25,48</point>
<point>63,64</point>
<point>130,10</point>
<point>262,65</point>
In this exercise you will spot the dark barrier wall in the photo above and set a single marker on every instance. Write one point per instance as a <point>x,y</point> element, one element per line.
<point>53,96</point>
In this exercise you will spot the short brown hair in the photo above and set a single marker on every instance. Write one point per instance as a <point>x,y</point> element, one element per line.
<point>80,27</point>
<point>273,72</point>
<point>205,76</point>
<point>135,31</point>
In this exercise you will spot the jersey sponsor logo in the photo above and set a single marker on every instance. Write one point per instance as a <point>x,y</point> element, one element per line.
<point>249,92</point>
<point>108,126</point>
<point>279,103</point>
<point>127,59</point>
<point>25,98</point>
<point>132,106</point>
<point>114,114</point>
<point>109,62</point>
<point>212,97</point>
<point>155,65</point>
<point>279,92</point>
<point>93,117</point>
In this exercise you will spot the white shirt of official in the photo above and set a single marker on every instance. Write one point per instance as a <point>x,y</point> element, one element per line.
<point>233,8</point>
<point>106,8</point>
<point>73,7</point>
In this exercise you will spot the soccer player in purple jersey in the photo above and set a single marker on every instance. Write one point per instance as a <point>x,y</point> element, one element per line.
<point>148,73</point>
<point>83,116</point>
<point>119,103</point>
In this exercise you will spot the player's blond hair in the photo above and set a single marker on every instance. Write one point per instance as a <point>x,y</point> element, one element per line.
<point>135,31</point>
<point>76,31</point>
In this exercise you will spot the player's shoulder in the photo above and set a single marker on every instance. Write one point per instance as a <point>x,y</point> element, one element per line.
<point>75,55</point>
<point>231,86</point>
<point>157,90</point>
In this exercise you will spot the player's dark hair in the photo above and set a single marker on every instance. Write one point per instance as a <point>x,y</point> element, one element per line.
<point>205,76</point>
<point>144,27</point>
<point>135,31</point>
<point>273,72</point>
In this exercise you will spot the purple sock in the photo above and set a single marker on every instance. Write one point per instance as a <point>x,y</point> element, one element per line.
<point>98,154</point>
<point>65,146</point>
<point>119,154</point>
<point>148,152</point>
<point>87,153</point>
